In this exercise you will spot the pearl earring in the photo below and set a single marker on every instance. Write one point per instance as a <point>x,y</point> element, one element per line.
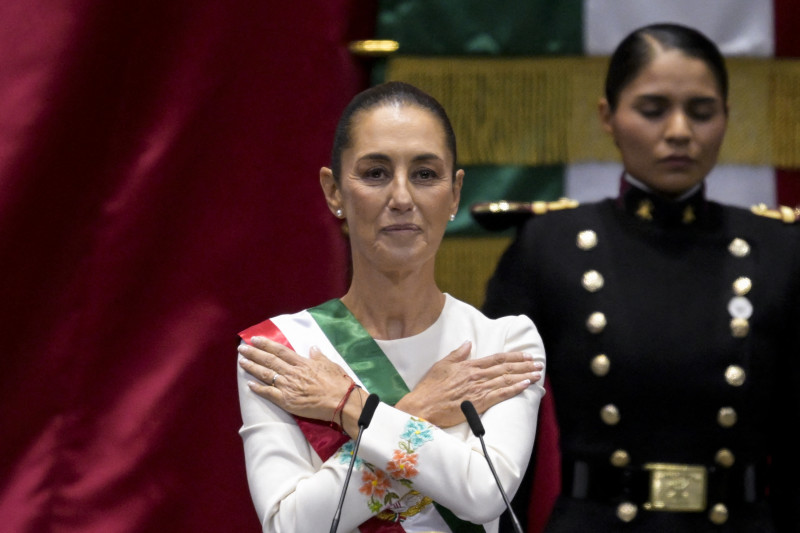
<point>339,213</point>
<point>452,217</point>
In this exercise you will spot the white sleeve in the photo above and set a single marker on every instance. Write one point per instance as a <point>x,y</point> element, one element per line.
<point>292,489</point>
<point>448,465</point>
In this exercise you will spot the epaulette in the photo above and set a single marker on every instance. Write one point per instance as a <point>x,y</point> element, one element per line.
<point>783,213</point>
<point>502,214</point>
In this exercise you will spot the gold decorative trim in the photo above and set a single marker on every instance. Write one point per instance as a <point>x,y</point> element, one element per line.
<point>537,208</point>
<point>373,47</point>
<point>783,213</point>
<point>539,111</point>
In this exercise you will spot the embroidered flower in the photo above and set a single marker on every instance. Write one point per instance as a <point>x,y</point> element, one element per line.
<point>403,465</point>
<point>375,484</point>
<point>345,454</point>
<point>417,433</point>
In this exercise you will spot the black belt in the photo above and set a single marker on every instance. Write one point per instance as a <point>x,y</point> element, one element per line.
<point>602,481</point>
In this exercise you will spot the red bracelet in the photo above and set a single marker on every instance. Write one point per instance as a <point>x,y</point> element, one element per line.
<point>341,405</point>
<point>341,413</point>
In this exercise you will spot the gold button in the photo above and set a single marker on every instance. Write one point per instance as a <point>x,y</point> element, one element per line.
<point>726,417</point>
<point>600,365</point>
<point>596,322</point>
<point>626,511</point>
<point>620,458</point>
<point>735,376</point>
<point>740,307</point>
<point>718,514</point>
<point>725,458</point>
<point>740,327</point>
<point>739,248</point>
<point>592,281</point>
<point>742,286</point>
<point>610,414</point>
<point>587,239</point>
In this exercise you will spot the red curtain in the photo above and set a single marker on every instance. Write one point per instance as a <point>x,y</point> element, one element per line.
<point>158,193</point>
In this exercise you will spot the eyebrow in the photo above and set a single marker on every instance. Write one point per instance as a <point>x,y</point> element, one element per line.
<point>694,99</point>
<point>377,156</point>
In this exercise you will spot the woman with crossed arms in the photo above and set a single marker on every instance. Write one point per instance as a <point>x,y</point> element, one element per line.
<point>303,378</point>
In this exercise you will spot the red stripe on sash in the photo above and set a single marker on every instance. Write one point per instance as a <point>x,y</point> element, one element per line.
<point>324,439</point>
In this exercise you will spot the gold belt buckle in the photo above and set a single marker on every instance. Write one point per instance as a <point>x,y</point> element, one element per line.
<point>676,487</point>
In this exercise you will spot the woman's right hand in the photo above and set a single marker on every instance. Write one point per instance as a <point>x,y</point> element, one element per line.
<point>485,382</point>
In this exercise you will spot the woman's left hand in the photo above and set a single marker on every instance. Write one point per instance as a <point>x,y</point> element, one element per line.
<point>308,387</point>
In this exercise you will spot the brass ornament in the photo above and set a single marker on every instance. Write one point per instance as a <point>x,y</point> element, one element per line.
<point>645,210</point>
<point>620,458</point>
<point>735,376</point>
<point>739,248</point>
<point>742,286</point>
<point>740,327</point>
<point>688,215</point>
<point>596,322</point>
<point>726,417</point>
<point>609,414</point>
<point>600,365</point>
<point>718,514</point>
<point>676,487</point>
<point>626,511</point>
<point>724,458</point>
<point>783,213</point>
<point>373,47</point>
<point>592,281</point>
<point>586,240</point>
<point>500,206</point>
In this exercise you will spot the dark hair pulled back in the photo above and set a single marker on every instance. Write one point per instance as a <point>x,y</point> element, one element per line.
<point>393,92</point>
<point>637,50</point>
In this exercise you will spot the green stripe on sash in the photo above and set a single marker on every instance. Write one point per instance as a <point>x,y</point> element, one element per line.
<point>375,371</point>
<point>360,350</point>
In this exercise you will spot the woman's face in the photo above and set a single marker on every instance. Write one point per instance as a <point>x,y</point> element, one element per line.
<point>397,188</point>
<point>669,123</point>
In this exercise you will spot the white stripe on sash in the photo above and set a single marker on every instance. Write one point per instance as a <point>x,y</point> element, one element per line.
<point>303,332</point>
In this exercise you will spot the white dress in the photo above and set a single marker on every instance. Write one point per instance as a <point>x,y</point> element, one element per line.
<point>401,458</point>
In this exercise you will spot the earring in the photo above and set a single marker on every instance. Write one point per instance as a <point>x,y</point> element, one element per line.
<point>452,217</point>
<point>339,213</point>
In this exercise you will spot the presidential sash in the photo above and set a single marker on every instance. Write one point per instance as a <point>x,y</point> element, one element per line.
<point>359,352</point>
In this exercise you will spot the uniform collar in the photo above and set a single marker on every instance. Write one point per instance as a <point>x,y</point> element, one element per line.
<point>640,201</point>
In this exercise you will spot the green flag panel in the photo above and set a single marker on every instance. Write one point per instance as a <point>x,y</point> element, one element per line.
<point>468,27</point>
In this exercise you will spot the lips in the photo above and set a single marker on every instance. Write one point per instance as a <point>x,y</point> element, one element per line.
<point>677,161</point>
<point>402,227</point>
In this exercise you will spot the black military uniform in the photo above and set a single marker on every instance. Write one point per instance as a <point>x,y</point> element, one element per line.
<point>672,333</point>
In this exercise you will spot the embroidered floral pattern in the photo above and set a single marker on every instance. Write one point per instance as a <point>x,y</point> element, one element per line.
<point>401,468</point>
<point>345,454</point>
<point>403,465</point>
<point>376,483</point>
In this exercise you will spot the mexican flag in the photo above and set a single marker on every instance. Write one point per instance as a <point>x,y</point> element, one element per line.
<point>521,80</point>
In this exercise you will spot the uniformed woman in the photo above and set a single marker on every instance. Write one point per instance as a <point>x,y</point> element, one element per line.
<point>671,323</point>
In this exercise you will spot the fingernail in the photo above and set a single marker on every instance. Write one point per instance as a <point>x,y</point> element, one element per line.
<point>526,382</point>
<point>251,384</point>
<point>538,366</point>
<point>527,356</point>
<point>257,339</point>
<point>242,348</point>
